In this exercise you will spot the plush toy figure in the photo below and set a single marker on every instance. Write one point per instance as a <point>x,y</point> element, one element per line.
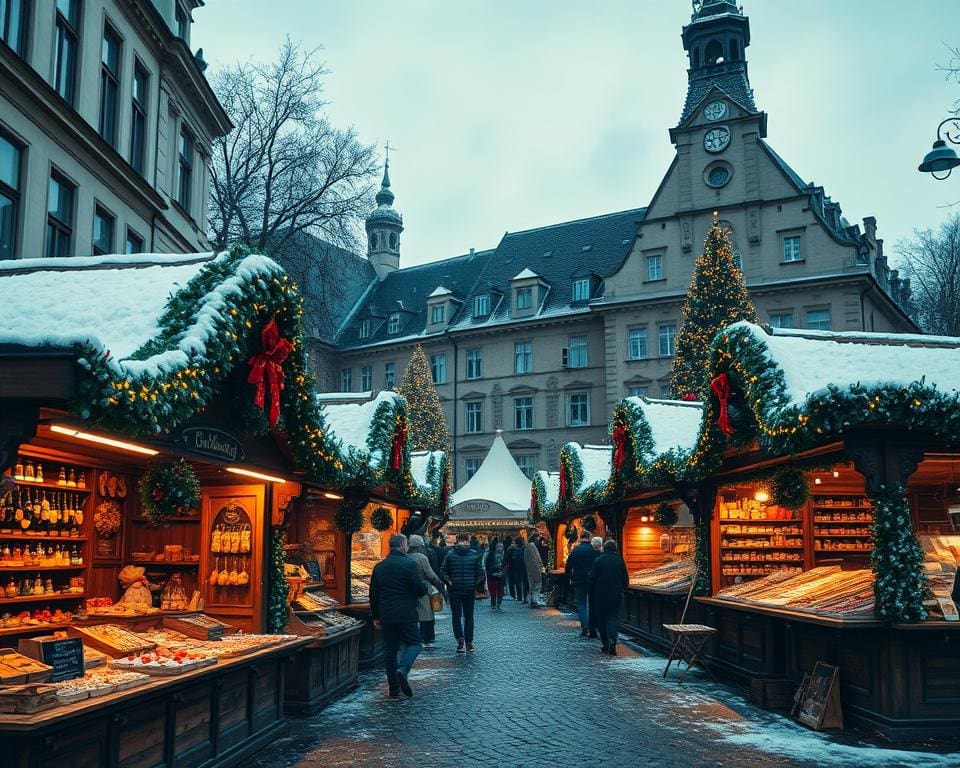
<point>136,586</point>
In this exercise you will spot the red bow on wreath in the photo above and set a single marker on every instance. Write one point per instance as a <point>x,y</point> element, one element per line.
<point>720,386</point>
<point>445,492</point>
<point>619,446</point>
<point>396,454</point>
<point>266,368</point>
<point>563,483</point>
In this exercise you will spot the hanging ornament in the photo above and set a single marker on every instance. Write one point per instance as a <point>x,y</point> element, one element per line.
<point>619,446</point>
<point>720,387</point>
<point>266,369</point>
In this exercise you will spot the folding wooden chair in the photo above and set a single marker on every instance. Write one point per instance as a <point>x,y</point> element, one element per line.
<point>688,639</point>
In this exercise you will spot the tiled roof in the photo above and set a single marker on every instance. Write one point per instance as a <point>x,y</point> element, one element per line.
<point>731,78</point>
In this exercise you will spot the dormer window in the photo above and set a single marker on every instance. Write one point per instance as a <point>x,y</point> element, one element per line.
<point>436,313</point>
<point>581,289</point>
<point>365,329</point>
<point>481,305</point>
<point>373,241</point>
<point>393,323</point>
<point>393,241</point>
<point>524,298</point>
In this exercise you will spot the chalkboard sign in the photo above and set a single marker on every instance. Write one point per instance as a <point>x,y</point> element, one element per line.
<point>313,568</point>
<point>64,654</point>
<point>818,700</point>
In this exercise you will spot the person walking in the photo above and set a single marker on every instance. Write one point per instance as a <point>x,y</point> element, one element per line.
<point>495,574</point>
<point>395,588</point>
<point>519,569</point>
<point>597,543</point>
<point>608,581</point>
<point>463,574</point>
<point>579,562</point>
<point>425,615</point>
<point>534,566</point>
<point>441,549</point>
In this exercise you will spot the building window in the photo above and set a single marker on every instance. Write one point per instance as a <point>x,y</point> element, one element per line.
<point>365,329</point>
<point>65,48</point>
<point>138,118</point>
<point>577,352</point>
<point>436,313</point>
<point>637,343</point>
<point>523,413</point>
<point>638,391</point>
<point>60,195</point>
<point>393,323</point>
<point>523,357</point>
<point>346,379</point>
<point>183,23</point>
<point>185,162</point>
<point>527,464</point>
<point>470,466</point>
<point>373,241</point>
<point>14,17</point>
<point>666,335</point>
<point>134,243</point>
<point>665,391</point>
<point>10,164</point>
<point>791,248</point>
<point>481,305</point>
<point>581,289</point>
<point>781,320</point>
<point>393,241</point>
<point>366,379</point>
<point>818,319</point>
<point>474,364</point>
<point>103,226</point>
<point>524,298</point>
<point>438,368</point>
<point>474,414</point>
<point>655,267</point>
<point>110,52</point>
<point>578,410</point>
<point>389,375</point>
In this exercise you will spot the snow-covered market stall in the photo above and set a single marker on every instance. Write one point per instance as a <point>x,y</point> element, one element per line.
<point>824,487</point>
<point>157,423</point>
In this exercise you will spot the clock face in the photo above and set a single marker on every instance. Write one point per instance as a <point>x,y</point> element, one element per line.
<point>715,110</point>
<point>716,139</point>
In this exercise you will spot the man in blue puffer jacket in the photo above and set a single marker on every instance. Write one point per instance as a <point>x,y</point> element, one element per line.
<point>462,572</point>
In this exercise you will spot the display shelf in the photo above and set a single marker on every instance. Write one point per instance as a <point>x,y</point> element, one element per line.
<point>848,522</point>
<point>150,521</point>
<point>40,568</point>
<point>166,563</point>
<point>765,546</point>
<point>28,537</point>
<point>41,598</point>
<point>822,535</point>
<point>27,484</point>
<point>759,521</point>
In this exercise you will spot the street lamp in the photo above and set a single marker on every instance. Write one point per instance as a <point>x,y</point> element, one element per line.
<point>941,157</point>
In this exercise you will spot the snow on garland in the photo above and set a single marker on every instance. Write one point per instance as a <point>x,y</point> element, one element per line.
<point>897,559</point>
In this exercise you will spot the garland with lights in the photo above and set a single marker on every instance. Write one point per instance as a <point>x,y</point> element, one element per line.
<point>897,559</point>
<point>277,580</point>
<point>168,488</point>
<point>381,519</point>
<point>666,515</point>
<point>788,488</point>
<point>701,557</point>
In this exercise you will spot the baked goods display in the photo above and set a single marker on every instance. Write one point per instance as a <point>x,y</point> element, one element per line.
<point>669,577</point>
<point>111,639</point>
<point>315,601</point>
<point>163,662</point>
<point>825,590</point>
<point>842,524</point>
<point>17,668</point>
<point>757,539</point>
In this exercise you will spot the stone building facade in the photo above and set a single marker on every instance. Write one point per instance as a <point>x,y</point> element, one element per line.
<point>544,334</point>
<point>106,123</point>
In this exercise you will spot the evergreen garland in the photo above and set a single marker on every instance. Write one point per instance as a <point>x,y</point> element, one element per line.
<point>702,557</point>
<point>897,559</point>
<point>381,519</point>
<point>589,523</point>
<point>168,488</point>
<point>349,516</point>
<point>428,425</point>
<point>277,581</point>
<point>666,515</point>
<point>788,488</point>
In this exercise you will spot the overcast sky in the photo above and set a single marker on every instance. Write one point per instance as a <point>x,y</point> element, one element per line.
<point>509,115</point>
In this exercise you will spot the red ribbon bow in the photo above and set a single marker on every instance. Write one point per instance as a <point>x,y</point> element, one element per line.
<point>563,483</point>
<point>720,386</point>
<point>396,453</point>
<point>619,446</point>
<point>266,369</point>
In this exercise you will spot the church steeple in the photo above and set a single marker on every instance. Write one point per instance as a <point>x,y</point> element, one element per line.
<point>715,41</point>
<point>384,226</point>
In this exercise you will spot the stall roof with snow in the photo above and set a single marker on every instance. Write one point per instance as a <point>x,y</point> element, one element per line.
<point>498,491</point>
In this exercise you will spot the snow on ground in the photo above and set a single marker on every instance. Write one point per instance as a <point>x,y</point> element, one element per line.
<point>351,422</point>
<point>675,424</point>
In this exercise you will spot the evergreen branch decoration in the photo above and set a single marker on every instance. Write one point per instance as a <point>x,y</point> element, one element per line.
<point>278,587</point>
<point>168,488</point>
<point>897,559</point>
<point>666,515</point>
<point>381,519</point>
<point>428,425</point>
<point>349,515</point>
<point>788,488</point>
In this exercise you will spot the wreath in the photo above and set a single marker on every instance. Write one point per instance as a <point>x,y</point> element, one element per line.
<point>570,533</point>
<point>106,519</point>
<point>589,523</point>
<point>381,519</point>
<point>788,488</point>
<point>169,488</point>
<point>349,517</point>
<point>666,515</point>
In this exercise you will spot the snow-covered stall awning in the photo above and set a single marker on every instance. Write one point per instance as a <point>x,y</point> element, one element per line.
<point>544,494</point>
<point>352,424</point>
<point>498,490</point>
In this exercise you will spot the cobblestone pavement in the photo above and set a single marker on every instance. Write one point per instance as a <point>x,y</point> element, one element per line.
<point>536,694</point>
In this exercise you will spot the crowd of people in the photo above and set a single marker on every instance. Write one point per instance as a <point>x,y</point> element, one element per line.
<point>410,585</point>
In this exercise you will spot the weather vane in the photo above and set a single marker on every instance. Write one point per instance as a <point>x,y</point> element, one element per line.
<point>387,147</point>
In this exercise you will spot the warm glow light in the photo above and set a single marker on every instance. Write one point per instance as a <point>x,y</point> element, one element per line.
<point>761,495</point>
<point>258,475</point>
<point>817,481</point>
<point>836,473</point>
<point>330,495</point>
<point>103,440</point>
<point>644,519</point>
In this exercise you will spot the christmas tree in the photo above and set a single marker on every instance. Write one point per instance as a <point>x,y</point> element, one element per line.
<point>427,424</point>
<point>717,298</point>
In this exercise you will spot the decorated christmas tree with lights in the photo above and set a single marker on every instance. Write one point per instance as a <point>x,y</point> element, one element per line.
<point>427,424</point>
<point>717,297</point>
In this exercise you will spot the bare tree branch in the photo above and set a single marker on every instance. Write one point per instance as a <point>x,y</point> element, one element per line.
<point>931,259</point>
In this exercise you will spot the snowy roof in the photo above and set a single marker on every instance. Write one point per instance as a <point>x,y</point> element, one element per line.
<point>498,480</point>
<point>343,397</point>
<point>440,291</point>
<point>596,461</point>
<point>351,422</point>
<point>420,462</point>
<point>674,424</point>
<point>527,272</point>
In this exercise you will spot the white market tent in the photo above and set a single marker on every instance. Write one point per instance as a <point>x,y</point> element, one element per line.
<point>497,494</point>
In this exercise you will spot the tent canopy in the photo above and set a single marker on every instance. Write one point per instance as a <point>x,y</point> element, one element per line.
<point>498,491</point>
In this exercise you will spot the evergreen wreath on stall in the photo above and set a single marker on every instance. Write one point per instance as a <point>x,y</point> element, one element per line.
<point>788,488</point>
<point>666,515</point>
<point>589,523</point>
<point>570,533</point>
<point>381,519</point>
<point>169,488</point>
<point>349,516</point>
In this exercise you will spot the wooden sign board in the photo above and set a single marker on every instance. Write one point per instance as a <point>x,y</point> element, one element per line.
<point>64,654</point>
<point>313,568</point>
<point>818,700</point>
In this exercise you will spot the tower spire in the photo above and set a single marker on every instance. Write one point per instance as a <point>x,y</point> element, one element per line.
<point>384,226</point>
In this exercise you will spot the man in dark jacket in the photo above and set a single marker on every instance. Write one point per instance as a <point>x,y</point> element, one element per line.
<point>518,571</point>
<point>463,573</point>
<point>395,588</point>
<point>608,581</point>
<point>579,562</point>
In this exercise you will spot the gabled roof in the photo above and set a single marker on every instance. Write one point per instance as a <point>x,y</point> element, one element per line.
<point>674,424</point>
<point>731,78</point>
<point>498,480</point>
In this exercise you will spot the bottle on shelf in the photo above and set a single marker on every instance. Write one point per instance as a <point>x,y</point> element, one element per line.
<point>18,470</point>
<point>28,474</point>
<point>62,477</point>
<point>39,475</point>
<point>72,479</point>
